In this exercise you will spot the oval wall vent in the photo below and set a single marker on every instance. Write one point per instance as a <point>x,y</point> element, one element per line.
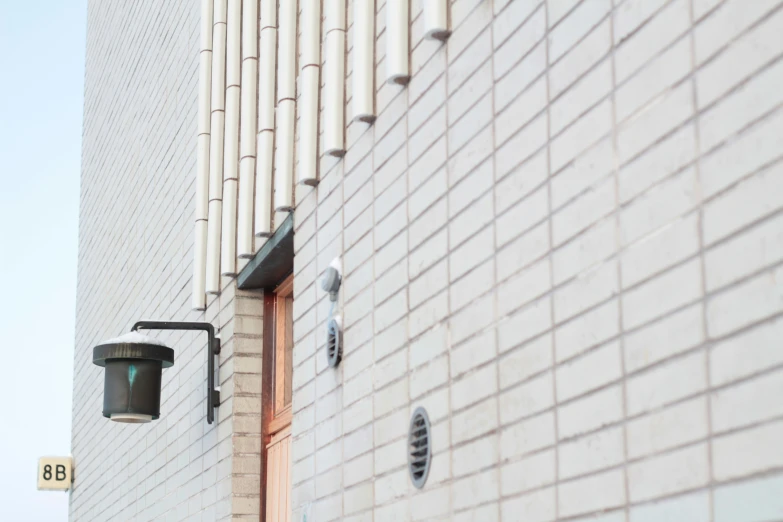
<point>334,343</point>
<point>419,447</point>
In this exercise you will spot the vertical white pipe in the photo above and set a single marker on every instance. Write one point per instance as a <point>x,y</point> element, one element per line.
<point>286,60</point>
<point>436,19</point>
<point>363,61</point>
<point>268,14</point>
<point>334,12</point>
<point>311,78</point>
<point>229,232</point>
<point>216,148</point>
<point>397,42</point>
<point>284,156</point>
<point>263,210</point>
<point>308,127</point>
<point>311,33</point>
<point>334,79</point>
<point>230,177</point>
<point>267,77</point>
<point>199,298</point>
<point>247,178</point>
<point>267,71</point>
<point>286,106</point>
<point>247,135</point>
<point>231,147</point>
<point>213,246</point>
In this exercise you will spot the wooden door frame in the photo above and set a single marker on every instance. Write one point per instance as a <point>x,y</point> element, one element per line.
<point>269,425</point>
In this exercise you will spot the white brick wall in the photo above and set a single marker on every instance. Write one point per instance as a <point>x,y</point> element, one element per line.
<point>135,255</point>
<point>563,238</point>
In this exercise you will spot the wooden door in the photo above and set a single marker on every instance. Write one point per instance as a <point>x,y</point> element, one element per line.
<point>278,465</point>
<point>276,404</point>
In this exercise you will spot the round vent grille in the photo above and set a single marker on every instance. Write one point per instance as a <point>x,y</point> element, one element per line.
<point>334,343</point>
<point>419,450</point>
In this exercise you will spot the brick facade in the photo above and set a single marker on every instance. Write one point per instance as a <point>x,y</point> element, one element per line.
<point>563,238</point>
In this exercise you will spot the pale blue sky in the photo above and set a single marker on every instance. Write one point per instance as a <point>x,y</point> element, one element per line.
<point>41,91</point>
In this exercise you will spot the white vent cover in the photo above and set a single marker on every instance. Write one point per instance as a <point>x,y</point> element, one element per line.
<point>419,447</point>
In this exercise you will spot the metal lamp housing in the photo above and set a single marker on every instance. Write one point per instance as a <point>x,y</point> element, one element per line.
<point>133,366</point>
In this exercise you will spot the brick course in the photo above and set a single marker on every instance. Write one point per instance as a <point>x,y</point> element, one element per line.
<point>578,251</point>
<point>563,239</point>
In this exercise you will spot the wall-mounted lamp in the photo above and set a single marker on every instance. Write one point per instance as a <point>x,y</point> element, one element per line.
<point>134,363</point>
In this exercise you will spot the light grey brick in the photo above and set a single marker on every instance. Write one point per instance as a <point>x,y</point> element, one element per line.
<point>750,500</point>
<point>680,470</point>
<point>663,385</point>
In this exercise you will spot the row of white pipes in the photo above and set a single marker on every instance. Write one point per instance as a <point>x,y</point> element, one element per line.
<point>248,107</point>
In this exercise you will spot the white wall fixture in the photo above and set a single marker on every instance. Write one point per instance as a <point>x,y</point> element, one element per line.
<point>286,107</point>
<point>436,19</point>
<point>363,104</point>
<point>330,283</point>
<point>310,81</point>
<point>334,78</point>
<point>247,133</point>
<point>397,24</point>
<point>267,76</point>
<point>216,147</point>
<point>199,298</point>
<point>231,147</point>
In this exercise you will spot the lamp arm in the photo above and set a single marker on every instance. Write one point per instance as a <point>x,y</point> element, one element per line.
<point>213,395</point>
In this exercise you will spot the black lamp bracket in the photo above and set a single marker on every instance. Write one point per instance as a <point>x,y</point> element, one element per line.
<point>213,395</point>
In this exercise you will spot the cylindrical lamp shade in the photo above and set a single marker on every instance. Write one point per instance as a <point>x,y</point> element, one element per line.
<point>436,19</point>
<point>363,61</point>
<point>397,42</point>
<point>132,378</point>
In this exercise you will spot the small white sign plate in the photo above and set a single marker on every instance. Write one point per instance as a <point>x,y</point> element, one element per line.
<point>55,473</point>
